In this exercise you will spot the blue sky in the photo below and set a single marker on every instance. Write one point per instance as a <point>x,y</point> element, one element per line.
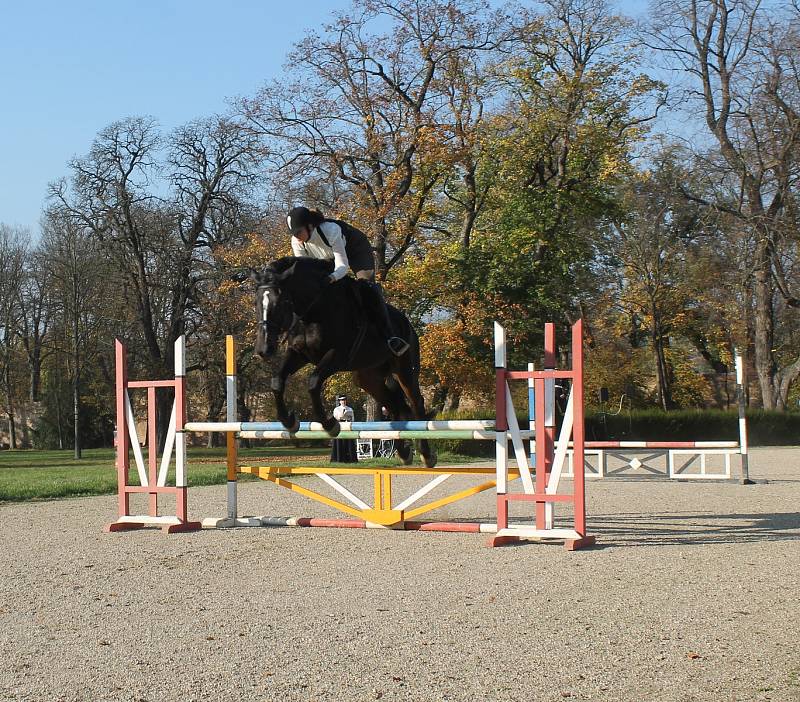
<point>70,68</point>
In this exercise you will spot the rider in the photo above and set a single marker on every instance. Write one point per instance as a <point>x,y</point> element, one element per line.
<point>314,236</point>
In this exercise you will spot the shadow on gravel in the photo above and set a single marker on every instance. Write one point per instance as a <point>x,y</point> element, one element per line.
<point>693,529</point>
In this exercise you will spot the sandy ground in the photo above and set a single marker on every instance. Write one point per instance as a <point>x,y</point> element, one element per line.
<point>692,593</point>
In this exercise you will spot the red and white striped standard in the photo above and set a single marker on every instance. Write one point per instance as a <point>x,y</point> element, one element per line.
<point>152,478</point>
<point>550,457</point>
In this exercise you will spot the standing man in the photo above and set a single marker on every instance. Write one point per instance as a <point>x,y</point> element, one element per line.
<point>343,450</point>
<point>314,236</point>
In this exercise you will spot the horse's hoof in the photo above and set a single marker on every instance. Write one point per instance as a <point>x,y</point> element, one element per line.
<point>406,455</point>
<point>431,459</point>
<point>332,426</point>
<point>292,424</point>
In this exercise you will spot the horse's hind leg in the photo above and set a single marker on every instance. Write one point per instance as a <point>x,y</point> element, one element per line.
<point>407,379</point>
<point>373,381</point>
<point>399,409</point>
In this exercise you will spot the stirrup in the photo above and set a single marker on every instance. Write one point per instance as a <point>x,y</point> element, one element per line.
<point>397,345</point>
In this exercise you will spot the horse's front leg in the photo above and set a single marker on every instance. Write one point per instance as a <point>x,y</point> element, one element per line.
<point>324,370</point>
<point>292,363</point>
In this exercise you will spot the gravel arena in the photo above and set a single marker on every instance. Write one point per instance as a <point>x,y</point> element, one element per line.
<point>692,593</point>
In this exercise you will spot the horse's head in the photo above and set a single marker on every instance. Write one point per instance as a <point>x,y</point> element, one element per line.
<point>274,310</point>
<point>283,284</point>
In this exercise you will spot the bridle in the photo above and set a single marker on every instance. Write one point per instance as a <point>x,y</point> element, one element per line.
<point>265,323</point>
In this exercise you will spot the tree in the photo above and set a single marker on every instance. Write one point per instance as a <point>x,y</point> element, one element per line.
<point>158,245</point>
<point>554,155</point>
<point>13,251</point>
<point>744,78</point>
<point>78,274</point>
<point>653,242</point>
<point>36,307</point>
<point>361,124</point>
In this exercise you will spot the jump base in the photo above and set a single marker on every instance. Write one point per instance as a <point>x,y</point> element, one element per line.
<point>569,544</point>
<point>167,527</point>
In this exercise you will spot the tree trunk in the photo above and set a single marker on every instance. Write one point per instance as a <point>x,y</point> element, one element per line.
<point>59,418</point>
<point>216,404</point>
<point>470,210</point>
<point>662,373</point>
<point>12,425</point>
<point>76,413</point>
<point>12,430</point>
<point>76,371</point>
<point>373,410</point>
<point>764,328</point>
<point>36,371</point>
<point>452,402</point>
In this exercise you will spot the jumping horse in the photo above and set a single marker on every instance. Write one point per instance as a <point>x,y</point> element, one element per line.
<point>303,319</point>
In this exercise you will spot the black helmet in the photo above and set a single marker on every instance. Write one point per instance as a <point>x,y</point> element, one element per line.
<point>298,218</point>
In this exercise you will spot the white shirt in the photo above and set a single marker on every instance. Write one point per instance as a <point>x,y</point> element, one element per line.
<point>315,248</point>
<point>342,413</point>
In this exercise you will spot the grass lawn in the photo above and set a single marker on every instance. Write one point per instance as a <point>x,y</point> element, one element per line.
<point>46,475</point>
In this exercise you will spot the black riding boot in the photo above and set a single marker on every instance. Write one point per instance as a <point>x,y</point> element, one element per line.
<point>396,345</point>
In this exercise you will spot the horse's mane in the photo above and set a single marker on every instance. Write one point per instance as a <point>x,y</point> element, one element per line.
<point>305,265</point>
<point>304,271</point>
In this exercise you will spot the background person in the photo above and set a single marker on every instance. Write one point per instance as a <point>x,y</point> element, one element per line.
<point>343,450</point>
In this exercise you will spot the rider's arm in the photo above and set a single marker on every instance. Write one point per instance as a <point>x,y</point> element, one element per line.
<point>333,233</point>
<point>297,247</point>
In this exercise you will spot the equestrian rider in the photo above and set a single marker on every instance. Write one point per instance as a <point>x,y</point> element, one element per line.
<point>314,236</point>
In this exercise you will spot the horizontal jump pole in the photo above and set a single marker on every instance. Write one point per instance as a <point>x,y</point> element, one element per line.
<point>463,527</point>
<point>385,435</point>
<point>454,430</point>
<point>661,444</point>
<point>438,425</point>
<point>360,469</point>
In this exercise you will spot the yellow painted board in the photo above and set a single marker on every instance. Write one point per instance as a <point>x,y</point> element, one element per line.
<point>376,491</point>
<point>231,455</point>
<point>294,487</point>
<point>383,470</point>
<point>230,356</point>
<point>382,514</point>
<point>387,491</point>
<point>448,499</point>
<point>384,517</point>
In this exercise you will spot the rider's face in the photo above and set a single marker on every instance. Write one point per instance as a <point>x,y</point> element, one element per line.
<point>303,234</point>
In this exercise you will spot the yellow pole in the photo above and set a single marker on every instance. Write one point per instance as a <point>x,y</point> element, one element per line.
<point>232,452</point>
<point>377,481</point>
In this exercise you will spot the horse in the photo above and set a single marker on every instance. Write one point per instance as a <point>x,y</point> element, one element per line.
<point>313,321</point>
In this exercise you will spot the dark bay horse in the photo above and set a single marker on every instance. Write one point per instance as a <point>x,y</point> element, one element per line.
<point>306,320</point>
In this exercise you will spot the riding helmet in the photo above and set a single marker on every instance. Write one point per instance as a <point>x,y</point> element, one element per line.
<point>298,218</point>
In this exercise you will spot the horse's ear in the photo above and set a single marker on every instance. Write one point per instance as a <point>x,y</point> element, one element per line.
<point>256,276</point>
<point>288,273</point>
